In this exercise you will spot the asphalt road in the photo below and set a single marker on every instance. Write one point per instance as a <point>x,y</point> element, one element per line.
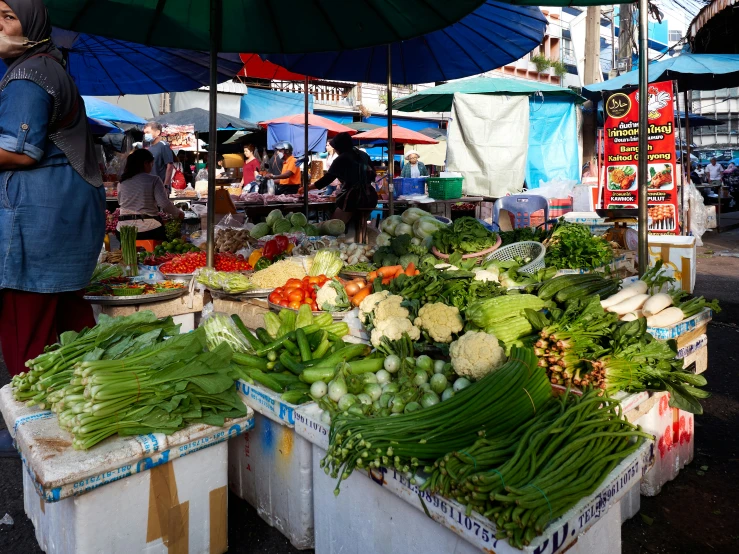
<point>694,514</point>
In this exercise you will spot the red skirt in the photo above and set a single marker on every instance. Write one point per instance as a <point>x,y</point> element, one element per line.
<point>29,321</point>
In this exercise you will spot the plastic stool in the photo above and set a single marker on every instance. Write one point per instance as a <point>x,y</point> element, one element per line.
<point>148,245</point>
<point>521,206</point>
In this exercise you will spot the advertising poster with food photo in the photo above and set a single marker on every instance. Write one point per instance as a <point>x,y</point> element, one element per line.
<point>180,137</point>
<point>622,156</point>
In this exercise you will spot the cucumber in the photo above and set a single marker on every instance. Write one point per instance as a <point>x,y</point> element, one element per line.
<point>580,290</point>
<point>264,379</point>
<point>286,379</point>
<point>553,286</point>
<point>250,361</point>
<point>256,344</point>
<point>291,363</point>
<point>295,397</point>
<point>264,336</point>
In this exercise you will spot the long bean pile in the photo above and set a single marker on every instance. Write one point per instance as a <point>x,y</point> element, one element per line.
<point>112,338</point>
<point>557,458</point>
<point>497,405</point>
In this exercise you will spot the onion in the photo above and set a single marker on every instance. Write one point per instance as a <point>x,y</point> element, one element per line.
<point>352,289</point>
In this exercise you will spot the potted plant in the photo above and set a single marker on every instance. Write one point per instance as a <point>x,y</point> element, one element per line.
<point>541,62</point>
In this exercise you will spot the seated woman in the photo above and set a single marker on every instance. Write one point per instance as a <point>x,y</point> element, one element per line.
<point>414,167</point>
<point>141,195</point>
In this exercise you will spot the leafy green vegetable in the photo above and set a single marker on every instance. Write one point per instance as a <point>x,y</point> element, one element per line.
<point>573,247</point>
<point>522,234</point>
<point>465,235</point>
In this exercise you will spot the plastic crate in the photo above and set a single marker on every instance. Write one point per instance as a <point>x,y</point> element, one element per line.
<point>409,185</point>
<point>445,188</point>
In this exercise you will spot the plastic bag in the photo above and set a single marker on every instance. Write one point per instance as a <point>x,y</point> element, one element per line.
<point>220,328</point>
<point>558,188</point>
<point>698,215</point>
<point>199,209</point>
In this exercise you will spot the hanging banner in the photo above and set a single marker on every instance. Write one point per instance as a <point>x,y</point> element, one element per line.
<point>180,137</point>
<point>622,155</point>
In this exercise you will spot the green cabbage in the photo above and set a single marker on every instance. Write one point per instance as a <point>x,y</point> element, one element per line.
<point>273,216</point>
<point>388,224</point>
<point>426,226</point>
<point>403,229</point>
<point>297,230</point>
<point>298,219</point>
<point>326,262</point>
<point>312,230</point>
<point>383,239</point>
<point>411,215</point>
<point>260,230</point>
<point>333,227</point>
<point>281,226</point>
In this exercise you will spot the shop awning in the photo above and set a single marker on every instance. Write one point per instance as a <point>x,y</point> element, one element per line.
<point>439,99</point>
<point>313,121</point>
<point>201,120</point>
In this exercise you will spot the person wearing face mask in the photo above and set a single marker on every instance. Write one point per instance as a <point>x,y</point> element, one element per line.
<point>288,180</point>
<point>163,156</point>
<point>52,204</point>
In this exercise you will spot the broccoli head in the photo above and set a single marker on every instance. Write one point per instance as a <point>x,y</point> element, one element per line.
<point>401,244</point>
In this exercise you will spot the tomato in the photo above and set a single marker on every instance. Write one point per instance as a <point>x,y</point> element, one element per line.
<point>294,304</point>
<point>275,297</point>
<point>279,290</point>
<point>322,279</point>
<point>284,303</point>
<point>296,296</point>
<point>287,290</point>
<point>314,306</point>
<point>293,282</point>
<point>306,280</point>
<point>314,280</point>
<point>307,301</point>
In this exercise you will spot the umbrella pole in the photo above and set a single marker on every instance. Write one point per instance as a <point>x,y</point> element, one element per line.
<point>643,138</point>
<point>390,149</point>
<point>682,165</point>
<point>215,30</point>
<point>686,195</point>
<point>306,168</point>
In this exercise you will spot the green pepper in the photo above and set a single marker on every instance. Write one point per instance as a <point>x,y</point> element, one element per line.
<point>262,263</point>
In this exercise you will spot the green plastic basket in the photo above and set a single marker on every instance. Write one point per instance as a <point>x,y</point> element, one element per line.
<point>445,188</point>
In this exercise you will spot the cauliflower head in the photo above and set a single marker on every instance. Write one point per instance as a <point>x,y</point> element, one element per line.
<point>331,297</point>
<point>368,305</point>
<point>393,328</point>
<point>439,321</point>
<point>390,307</point>
<point>475,354</point>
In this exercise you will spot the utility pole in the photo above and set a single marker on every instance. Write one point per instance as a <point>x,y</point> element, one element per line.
<point>626,33</point>
<point>591,75</point>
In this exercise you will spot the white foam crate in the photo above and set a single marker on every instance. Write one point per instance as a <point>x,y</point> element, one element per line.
<point>394,516</point>
<point>271,467</point>
<point>674,432</point>
<point>267,402</point>
<point>681,328</point>
<point>180,506</point>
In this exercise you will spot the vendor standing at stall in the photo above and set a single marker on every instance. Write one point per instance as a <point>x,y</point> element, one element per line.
<point>163,156</point>
<point>251,165</point>
<point>141,195</point>
<point>52,212</point>
<point>288,182</point>
<point>414,167</point>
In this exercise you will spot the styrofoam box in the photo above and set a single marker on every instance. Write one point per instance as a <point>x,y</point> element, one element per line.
<point>674,433</point>
<point>180,506</point>
<point>394,516</point>
<point>683,327</point>
<point>271,468</point>
<point>679,257</point>
<point>267,402</point>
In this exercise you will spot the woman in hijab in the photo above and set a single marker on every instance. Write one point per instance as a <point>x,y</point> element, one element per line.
<point>52,205</point>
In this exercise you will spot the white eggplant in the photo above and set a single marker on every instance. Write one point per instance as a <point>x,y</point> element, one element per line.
<point>632,316</point>
<point>639,287</point>
<point>665,318</point>
<point>656,304</point>
<point>629,305</point>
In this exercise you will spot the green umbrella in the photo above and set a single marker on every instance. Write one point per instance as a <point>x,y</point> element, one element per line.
<point>439,99</point>
<point>268,26</point>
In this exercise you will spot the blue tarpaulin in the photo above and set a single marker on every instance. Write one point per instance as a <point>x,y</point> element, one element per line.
<point>344,119</point>
<point>295,135</point>
<point>263,105</point>
<point>100,109</point>
<point>553,152</point>
<point>407,122</point>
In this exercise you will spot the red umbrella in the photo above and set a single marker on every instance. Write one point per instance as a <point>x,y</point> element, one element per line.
<point>257,68</point>
<point>315,120</point>
<point>400,135</point>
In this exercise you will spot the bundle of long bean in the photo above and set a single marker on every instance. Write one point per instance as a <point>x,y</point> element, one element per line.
<point>493,407</point>
<point>563,455</point>
<point>128,247</point>
<point>160,389</point>
<point>110,339</point>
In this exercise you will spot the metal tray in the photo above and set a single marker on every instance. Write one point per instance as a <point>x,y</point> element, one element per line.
<point>173,276</point>
<point>140,299</point>
<point>248,295</point>
<point>338,316</point>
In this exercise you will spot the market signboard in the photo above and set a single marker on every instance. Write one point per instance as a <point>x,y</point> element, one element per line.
<point>180,137</point>
<point>622,155</point>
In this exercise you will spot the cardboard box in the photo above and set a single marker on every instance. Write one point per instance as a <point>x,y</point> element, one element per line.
<point>678,256</point>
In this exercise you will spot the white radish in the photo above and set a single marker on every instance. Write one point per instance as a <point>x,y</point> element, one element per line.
<point>632,316</point>
<point>656,304</point>
<point>639,287</point>
<point>629,305</point>
<point>665,318</point>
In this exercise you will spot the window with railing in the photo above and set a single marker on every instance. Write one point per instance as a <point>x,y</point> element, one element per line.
<point>674,36</point>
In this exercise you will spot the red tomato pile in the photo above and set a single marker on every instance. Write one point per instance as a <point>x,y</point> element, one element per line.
<point>297,292</point>
<point>188,263</point>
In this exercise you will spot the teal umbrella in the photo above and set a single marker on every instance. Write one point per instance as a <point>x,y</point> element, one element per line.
<point>269,26</point>
<point>439,99</point>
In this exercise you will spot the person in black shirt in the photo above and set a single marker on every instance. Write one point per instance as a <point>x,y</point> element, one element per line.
<point>163,156</point>
<point>353,168</point>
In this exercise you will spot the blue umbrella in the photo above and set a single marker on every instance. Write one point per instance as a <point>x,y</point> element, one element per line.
<point>295,135</point>
<point>691,71</point>
<point>492,36</point>
<point>101,127</point>
<point>100,109</point>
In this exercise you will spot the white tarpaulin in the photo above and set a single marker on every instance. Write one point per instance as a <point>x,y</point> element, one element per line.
<point>487,143</point>
<point>429,154</point>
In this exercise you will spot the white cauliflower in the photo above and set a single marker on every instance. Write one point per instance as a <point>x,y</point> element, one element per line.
<point>332,297</point>
<point>439,321</point>
<point>393,328</point>
<point>490,274</point>
<point>475,354</point>
<point>390,307</point>
<point>368,305</point>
